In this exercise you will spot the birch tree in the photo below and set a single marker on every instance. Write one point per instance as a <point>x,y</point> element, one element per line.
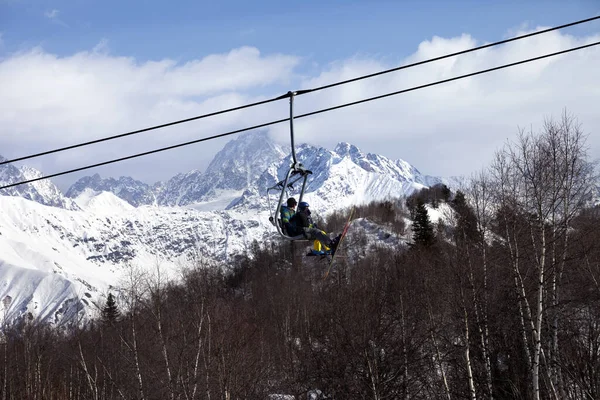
<point>480,194</point>
<point>545,180</point>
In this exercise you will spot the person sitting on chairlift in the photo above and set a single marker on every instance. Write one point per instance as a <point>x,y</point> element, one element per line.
<point>287,212</point>
<point>304,225</point>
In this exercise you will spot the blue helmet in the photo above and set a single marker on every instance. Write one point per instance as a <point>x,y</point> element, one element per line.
<point>302,205</point>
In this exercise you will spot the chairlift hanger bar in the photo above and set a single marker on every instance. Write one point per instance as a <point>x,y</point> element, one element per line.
<point>296,165</point>
<point>296,168</point>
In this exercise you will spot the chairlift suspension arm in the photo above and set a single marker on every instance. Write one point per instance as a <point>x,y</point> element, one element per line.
<point>292,94</point>
<point>296,168</point>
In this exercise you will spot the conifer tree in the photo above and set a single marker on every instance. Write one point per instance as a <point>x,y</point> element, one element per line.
<point>466,224</point>
<point>422,226</point>
<point>445,193</point>
<point>110,312</point>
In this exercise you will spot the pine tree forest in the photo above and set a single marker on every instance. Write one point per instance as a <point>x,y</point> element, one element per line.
<point>502,301</point>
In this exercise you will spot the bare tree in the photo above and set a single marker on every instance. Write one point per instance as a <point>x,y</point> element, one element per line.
<point>156,285</point>
<point>546,178</point>
<point>134,287</point>
<point>480,194</point>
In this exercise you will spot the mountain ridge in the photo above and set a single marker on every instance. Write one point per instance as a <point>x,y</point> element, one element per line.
<point>250,162</point>
<point>84,243</point>
<point>41,191</point>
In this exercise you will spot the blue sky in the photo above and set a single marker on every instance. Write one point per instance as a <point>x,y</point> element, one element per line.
<point>255,50</point>
<point>321,30</point>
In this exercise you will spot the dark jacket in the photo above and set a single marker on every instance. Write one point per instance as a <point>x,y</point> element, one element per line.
<point>300,221</point>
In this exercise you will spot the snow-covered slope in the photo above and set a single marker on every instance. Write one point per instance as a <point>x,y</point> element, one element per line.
<point>53,259</point>
<point>60,256</point>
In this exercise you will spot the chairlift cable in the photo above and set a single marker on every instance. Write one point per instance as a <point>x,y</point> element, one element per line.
<point>458,53</point>
<point>299,92</point>
<point>307,114</point>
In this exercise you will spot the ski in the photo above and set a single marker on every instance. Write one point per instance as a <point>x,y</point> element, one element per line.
<point>344,231</point>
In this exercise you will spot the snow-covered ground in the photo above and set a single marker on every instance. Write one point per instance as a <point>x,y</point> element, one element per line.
<point>59,256</point>
<point>50,257</point>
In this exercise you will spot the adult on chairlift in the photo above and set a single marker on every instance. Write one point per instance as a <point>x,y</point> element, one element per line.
<point>303,224</point>
<point>287,212</point>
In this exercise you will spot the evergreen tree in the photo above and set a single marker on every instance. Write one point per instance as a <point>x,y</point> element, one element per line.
<point>422,226</point>
<point>466,224</point>
<point>445,193</point>
<point>110,312</point>
<point>459,200</point>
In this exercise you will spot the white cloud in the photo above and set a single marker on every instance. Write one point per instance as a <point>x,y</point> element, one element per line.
<point>451,129</point>
<point>454,128</point>
<point>52,101</point>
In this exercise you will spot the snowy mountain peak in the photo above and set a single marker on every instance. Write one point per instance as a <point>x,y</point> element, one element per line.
<point>9,174</point>
<point>341,177</point>
<point>344,149</point>
<point>254,149</point>
<point>101,202</point>
<point>42,191</point>
<point>242,160</point>
<point>236,167</point>
<point>134,192</point>
<point>399,169</point>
